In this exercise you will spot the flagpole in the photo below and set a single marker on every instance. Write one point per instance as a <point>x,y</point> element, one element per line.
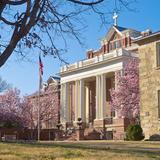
<point>39,92</point>
<point>39,95</point>
<point>38,125</point>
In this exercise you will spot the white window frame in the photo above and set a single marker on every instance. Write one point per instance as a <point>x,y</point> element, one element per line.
<point>158,54</point>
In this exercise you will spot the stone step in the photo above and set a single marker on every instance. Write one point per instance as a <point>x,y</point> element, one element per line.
<point>91,134</point>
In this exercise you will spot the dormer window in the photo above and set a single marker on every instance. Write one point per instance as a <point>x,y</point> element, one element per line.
<point>118,44</point>
<point>117,37</point>
<point>114,45</point>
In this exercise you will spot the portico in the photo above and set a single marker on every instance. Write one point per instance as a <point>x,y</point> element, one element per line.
<point>86,84</point>
<point>85,88</point>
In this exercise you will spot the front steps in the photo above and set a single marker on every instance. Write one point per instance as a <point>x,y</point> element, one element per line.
<point>112,129</point>
<point>89,134</point>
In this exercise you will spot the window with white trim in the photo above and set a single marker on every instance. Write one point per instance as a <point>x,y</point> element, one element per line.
<point>158,54</point>
<point>158,103</point>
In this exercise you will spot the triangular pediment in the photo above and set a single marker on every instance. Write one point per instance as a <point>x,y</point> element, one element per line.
<point>115,32</point>
<point>53,80</point>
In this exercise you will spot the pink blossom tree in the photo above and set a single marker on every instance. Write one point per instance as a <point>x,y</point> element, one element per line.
<point>49,109</point>
<point>11,109</point>
<point>125,97</point>
<point>17,111</point>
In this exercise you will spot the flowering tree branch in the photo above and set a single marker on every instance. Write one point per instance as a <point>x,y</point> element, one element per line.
<point>125,98</point>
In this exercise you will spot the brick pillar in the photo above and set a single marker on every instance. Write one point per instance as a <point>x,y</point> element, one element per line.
<point>129,40</point>
<point>80,134</point>
<point>108,47</point>
<point>87,102</point>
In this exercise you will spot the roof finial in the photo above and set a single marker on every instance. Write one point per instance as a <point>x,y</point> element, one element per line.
<point>115,17</point>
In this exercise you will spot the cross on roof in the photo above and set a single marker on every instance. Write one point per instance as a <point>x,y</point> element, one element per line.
<point>115,17</point>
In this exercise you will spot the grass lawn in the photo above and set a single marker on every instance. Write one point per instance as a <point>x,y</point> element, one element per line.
<point>62,151</point>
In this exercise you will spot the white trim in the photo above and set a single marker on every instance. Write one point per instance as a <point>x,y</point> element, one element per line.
<point>117,31</point>
<point>145,37</point>
<point>108,57</point>
<point>82,74</point>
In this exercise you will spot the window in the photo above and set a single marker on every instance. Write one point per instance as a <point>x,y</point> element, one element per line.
<point>118,44</point>
<point>114,45</point>
<point>113,114</point>
<point>108,87</point>
<point>110,46</point>
<point>158,54</point>
<point>158,103</point>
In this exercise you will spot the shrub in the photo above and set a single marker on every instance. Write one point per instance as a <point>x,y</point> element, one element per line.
<point>134,132</point>
<point>155,137</point>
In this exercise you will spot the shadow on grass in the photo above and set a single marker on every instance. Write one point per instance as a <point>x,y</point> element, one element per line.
<point>71,153</point>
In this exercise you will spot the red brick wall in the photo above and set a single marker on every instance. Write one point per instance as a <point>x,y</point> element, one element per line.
<point>29,134</point>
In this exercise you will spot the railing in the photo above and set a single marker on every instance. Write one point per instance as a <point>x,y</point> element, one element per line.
<point>88,62</point>
<point>97,59</point>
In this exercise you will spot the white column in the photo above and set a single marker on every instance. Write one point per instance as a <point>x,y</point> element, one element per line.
<point>65,110</point>
<point>63,116</point>
<point>76,99</point>
<point>116,86</point>
<point>62,104</point>
<point>82,112</point>
<point>100,96</point>
<point>97,96</point>
<point>103,97</point>
<point>87,99</point>
<point>80,100</point>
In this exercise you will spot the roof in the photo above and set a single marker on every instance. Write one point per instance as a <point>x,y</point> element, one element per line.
<point>139,39</point>
<point>120,28</point>
<point>117,29</point>
<point>112,30</point>
<point>54,77</point>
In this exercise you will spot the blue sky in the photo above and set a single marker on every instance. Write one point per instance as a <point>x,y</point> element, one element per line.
<point>24,74</point>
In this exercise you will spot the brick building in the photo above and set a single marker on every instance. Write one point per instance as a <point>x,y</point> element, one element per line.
<point>85,84</point>
<point>149,73</point>
<point>49,105</point>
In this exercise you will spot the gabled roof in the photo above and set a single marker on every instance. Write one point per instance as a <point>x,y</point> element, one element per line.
<point>110,33</point>
<point>121,29</point>
<point>114,29</point>
<point>53,79</point>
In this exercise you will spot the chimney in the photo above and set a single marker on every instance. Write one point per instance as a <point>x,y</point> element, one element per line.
<point>146,32</point>
<point>90,53</point>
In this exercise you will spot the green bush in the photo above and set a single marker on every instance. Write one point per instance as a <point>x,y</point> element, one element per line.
<point>134,133</point>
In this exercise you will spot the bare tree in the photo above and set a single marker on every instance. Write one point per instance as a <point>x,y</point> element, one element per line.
<point>3,85</point>
<point>39,23</point>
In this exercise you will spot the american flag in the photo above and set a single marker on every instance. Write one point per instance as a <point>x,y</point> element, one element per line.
<point>40,72</point>
<point>40,66</point>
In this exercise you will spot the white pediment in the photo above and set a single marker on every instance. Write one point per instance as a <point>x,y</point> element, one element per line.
<point>113,31</point>
<point>53,80</point>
